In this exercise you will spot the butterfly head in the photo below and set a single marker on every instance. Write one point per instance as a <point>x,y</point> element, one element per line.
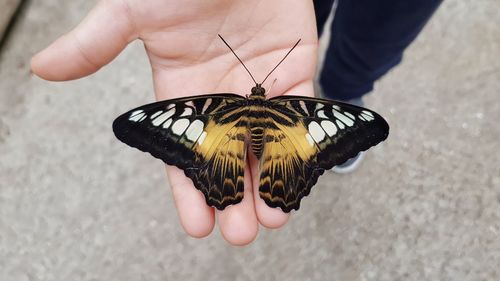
<point>258,90</point>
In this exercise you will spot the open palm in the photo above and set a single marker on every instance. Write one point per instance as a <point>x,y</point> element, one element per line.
<point>188,58</point>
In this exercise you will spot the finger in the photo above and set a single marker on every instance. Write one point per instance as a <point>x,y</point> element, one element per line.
<point>238,223</point>
<point>267,216</point>
<point>96,41</point>
<point>196,217</point>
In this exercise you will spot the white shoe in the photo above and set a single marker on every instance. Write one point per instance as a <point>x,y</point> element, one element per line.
<point>350,165</point>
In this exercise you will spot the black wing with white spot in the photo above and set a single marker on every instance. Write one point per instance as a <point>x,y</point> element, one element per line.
<point>318,135</point>
<point>202,135</point>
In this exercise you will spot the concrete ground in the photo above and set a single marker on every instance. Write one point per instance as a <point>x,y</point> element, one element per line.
<point>75,204</point>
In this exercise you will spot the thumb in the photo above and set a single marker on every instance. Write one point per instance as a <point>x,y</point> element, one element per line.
<point>96,41</point>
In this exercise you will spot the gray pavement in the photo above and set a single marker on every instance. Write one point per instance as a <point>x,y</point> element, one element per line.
<point>75,204</point>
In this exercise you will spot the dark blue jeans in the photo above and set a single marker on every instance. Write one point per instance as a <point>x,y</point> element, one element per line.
<point>368,38</point>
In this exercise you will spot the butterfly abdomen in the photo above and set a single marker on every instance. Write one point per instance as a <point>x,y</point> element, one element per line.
<point>262,117</point>
<point>256,134</point>
<point>257,122</point>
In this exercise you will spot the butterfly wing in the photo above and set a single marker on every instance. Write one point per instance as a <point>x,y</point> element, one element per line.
<point>202,135</point>
<point>314,135</point>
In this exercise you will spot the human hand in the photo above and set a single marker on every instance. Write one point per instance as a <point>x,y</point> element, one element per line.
<point>187,59</point>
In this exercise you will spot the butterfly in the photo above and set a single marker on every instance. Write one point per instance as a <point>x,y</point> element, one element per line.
<point>295,139</point>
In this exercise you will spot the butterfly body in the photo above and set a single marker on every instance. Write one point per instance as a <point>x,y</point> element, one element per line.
<point>259,117</point>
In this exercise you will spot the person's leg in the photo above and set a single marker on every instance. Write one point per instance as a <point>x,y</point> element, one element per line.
<point>322,9</point>
<point>368,39</point>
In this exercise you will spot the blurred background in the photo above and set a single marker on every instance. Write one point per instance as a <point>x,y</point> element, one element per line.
<point>76,204</point>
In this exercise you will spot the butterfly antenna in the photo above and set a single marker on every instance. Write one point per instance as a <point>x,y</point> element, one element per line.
<point>281,61</point>
<point>238,58</point>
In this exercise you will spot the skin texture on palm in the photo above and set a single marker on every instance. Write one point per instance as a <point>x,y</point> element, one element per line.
<point>188,58</point>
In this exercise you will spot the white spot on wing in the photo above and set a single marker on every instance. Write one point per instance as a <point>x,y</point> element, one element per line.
<point>349,115</point>
<point>340,124</point>
<point>187,112</point>
<point>346,120</point>
<point>329,127</point>
<point>368,116</point>
<point>202,138</point>
<point>160,119</point>
<point>136,115</point>
<point>136,112</point>
<point>310,139</point>
<point>304,107</point>
<point>180,126</point>
<point>167,124</point>
<point>321,114</point>
<point>156,114</point>
<point>319,106</point>
<point>194,130</point>
<point>208,102</point>
<point>316,132</point>
<point>366,112</point>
